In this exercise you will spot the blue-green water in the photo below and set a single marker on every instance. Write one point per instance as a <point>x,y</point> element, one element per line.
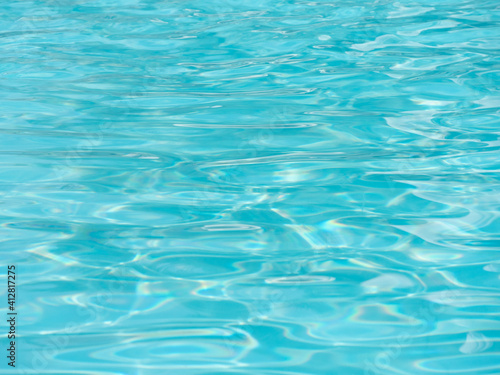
<point>251,187</point>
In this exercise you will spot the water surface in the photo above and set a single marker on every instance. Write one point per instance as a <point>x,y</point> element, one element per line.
<point>252,187</point>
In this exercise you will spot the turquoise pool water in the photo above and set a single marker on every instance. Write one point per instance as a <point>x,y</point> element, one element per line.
<point>251,187</point>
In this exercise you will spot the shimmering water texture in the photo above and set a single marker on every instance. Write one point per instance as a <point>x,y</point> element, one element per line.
<point>252,187</point>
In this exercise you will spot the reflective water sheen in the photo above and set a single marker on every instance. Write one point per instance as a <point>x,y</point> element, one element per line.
<point>252,187</point>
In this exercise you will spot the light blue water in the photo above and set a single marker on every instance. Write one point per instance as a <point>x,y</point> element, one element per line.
<point>252,187</point>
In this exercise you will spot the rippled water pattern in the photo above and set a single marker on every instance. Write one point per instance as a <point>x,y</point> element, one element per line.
<point>252,187</point>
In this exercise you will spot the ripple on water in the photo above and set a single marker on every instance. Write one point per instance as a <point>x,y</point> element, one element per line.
<point>252,187</point>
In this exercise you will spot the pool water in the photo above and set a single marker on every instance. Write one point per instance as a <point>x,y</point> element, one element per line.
<point>251,187</point>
